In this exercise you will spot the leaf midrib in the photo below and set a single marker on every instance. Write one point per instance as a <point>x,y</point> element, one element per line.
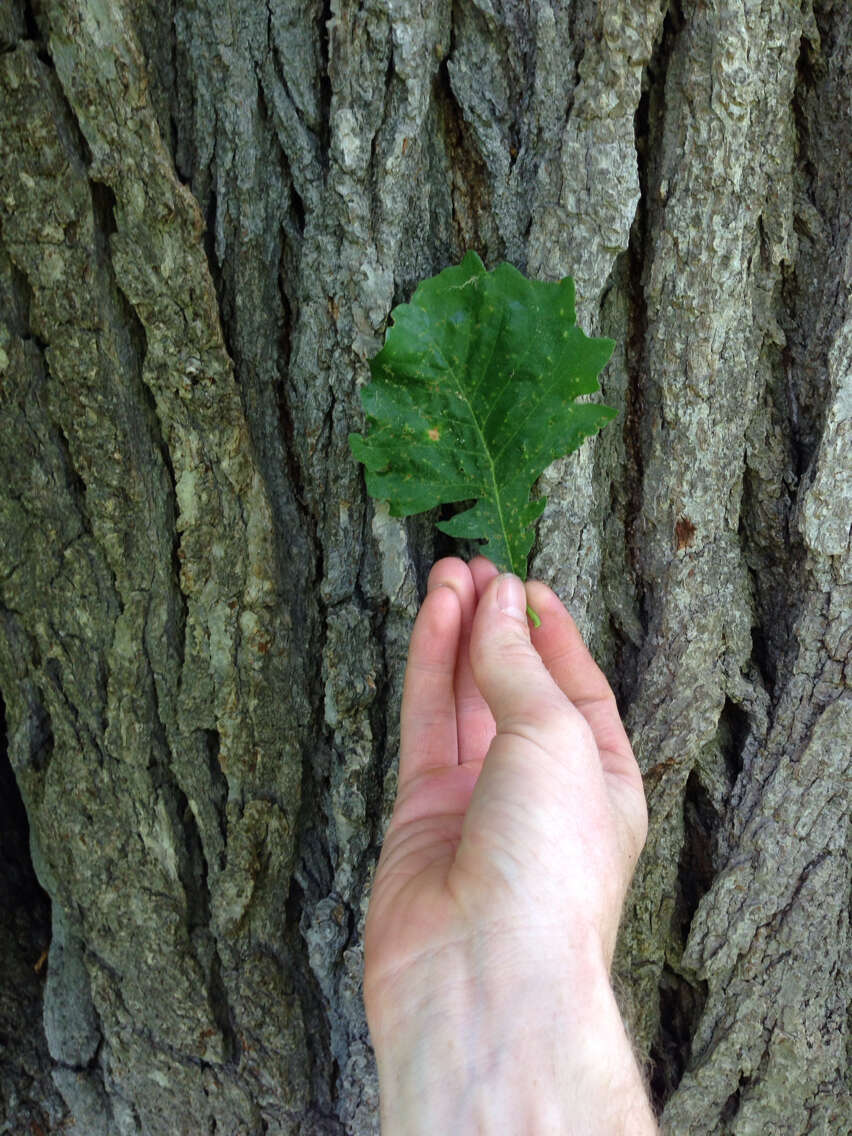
<point>460,386</point>
<point>492,468</point>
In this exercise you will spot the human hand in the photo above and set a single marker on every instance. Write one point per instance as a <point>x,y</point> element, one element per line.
<point>496,900</point>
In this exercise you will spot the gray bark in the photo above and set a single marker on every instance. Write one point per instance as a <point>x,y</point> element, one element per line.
<point>207,212</point>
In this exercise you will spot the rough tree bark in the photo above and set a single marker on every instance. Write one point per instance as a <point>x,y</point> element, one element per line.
<point>207,211</point>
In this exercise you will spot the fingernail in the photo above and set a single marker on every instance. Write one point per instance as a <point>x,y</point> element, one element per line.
<point>511,596</point>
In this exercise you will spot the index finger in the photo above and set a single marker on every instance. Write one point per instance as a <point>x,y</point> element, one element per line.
<point>474,719</point>
<point>428,732</point>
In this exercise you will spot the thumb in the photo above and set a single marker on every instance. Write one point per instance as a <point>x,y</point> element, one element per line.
<point>520,691</point>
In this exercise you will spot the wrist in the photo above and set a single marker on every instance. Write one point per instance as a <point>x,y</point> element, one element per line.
<point>523,1050</point>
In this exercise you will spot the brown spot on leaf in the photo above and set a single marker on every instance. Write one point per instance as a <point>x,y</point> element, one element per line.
<point>684,532</point>
<point>434,433</point>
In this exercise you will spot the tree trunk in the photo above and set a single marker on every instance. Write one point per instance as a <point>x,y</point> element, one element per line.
<point>207,212</point>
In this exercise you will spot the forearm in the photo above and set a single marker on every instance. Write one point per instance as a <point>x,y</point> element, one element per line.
<point>524,1059</point>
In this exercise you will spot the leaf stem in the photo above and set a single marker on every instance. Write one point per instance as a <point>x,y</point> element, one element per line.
<point>534,619</point>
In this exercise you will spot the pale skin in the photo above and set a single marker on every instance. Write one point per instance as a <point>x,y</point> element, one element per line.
<point>492,922</point>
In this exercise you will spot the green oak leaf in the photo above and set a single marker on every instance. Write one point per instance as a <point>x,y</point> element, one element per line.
<point>473,396</point>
